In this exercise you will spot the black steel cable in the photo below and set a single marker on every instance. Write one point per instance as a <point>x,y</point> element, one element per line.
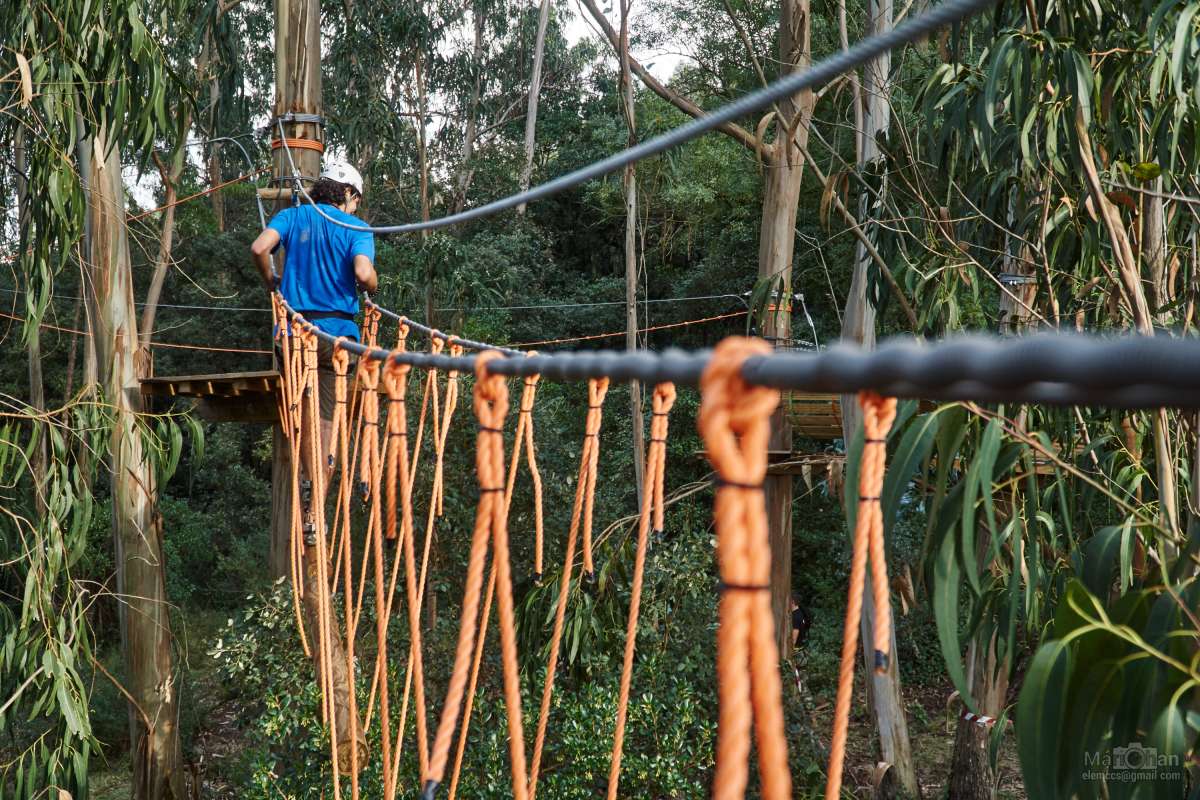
<point>949,12</point>
<point>448,338</point>
<point>1053,369</point>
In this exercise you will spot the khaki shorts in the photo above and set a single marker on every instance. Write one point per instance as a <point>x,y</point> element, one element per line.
<point>326,377</point>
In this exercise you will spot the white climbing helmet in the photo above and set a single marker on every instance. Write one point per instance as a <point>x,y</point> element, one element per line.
<point>342,172</point>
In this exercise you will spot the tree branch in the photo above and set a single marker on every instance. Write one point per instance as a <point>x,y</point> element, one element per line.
<point>734,131</point>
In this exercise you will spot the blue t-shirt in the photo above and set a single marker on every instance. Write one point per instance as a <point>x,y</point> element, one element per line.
<point>318,274</point>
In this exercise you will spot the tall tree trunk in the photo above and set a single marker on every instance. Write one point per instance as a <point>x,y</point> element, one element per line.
<point>207,67</point>
<point>631,260</point>
<point>858,326</point>
<point>170,179</point>
<point>470,129</point>
<point>298,89</point>
<point>423,164</point>
<point>535,91</point>
<point>137,525</point>
<point>971,776</point>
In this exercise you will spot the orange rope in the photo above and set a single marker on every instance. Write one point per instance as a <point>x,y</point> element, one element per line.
<point>878,415</point>
<point>652,498</point>
<point>585,488</point>
<point>197,195</point>
<point>298,144</point>
<point>324,603</point>
<point>341,362</point>
<point>734,423</point>
<point>491,407</point>
<point>61,329</point>
<point>416,667</point>
<point>615,334</point>
<point>524,435</point>
<point>371,476</point>
<point>441,428</point>
<point>289,421</point>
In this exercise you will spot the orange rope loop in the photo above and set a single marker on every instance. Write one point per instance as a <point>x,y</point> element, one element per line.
<point>878,415</point>
<point>524,437</point>
<point>340,442</point>
<point>664,399</point>
<point>585,488</point>
<point>491,407</point>
<point>734,423</point>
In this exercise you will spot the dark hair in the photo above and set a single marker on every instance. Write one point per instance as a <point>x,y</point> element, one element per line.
<point>330,192</point>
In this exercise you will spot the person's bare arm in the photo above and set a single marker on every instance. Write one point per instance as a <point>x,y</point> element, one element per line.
<point>364,272</point>
<point>261,251</point>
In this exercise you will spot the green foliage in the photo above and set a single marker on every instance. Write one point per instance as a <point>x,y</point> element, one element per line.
<point>45,649</point>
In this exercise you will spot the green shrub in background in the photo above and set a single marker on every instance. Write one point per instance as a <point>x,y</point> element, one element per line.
<point>669,736</point>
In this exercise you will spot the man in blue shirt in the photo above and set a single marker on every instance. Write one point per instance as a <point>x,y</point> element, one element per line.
<point>325,264</point>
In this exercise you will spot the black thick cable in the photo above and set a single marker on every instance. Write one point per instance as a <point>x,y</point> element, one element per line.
<point>948,13</point>
<point>1053,369</point>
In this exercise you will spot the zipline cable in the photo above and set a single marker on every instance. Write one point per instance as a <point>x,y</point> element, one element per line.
<point>950,12</point>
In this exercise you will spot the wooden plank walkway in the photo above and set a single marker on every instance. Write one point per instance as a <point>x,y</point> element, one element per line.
<point>223,397</point>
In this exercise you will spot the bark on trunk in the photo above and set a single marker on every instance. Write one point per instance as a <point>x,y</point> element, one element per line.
<point>465,170</point>
<point>531,111</point>
<point>137,526</point>
<point>776,244</point>
<point>971,775</point>
<point>858,326</point>
<point>170,178</point>
<point>631,271</point>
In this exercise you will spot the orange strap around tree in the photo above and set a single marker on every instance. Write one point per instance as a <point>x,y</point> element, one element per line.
<point>652,500</point>
<point>734,423</point>
<point>298,144</point>
<point>581,516</point>
<point>878,415</point>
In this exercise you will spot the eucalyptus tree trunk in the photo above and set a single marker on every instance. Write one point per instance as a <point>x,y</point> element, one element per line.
<point>631,252</point>
<point>535,91</point>
<point>971,776</point>
<point>170,178</point>
<point>858,326</point>
<point>776,246</point>
<point>470,128</point>
<point>137,526</point>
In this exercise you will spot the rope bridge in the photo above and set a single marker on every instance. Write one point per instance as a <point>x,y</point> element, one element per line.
<point>374,454</point>
<point>370,450</point>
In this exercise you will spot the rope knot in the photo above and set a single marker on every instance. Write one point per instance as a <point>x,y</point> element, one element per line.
<point>395,379</point>
<point>491,391</point>
<point>734,416</point>
<point>341,357</point>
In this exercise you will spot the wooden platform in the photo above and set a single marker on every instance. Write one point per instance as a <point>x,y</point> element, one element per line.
<point>816,416</point>
<point>225,397</point>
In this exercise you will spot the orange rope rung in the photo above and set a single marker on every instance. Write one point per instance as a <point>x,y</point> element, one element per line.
<point>734,424</point>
